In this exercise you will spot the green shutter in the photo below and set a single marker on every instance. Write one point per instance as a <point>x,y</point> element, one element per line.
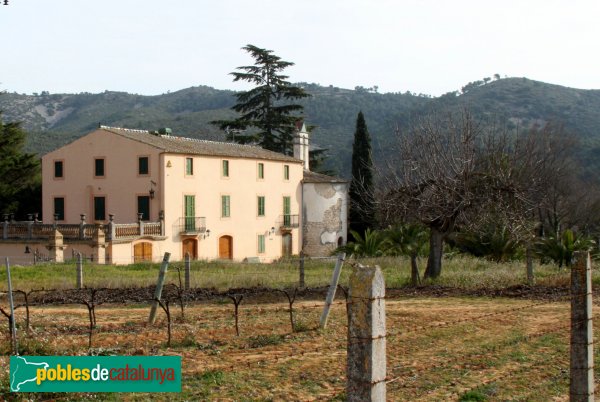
<point>189,166</point>
<point>225,206</point>
<point>261,170</point>
<point>261,206</point>
<point>286,211</point>
<point>225,168</point>
<point>286,172</point>
<point>190,212</point>
<point>261,244</point>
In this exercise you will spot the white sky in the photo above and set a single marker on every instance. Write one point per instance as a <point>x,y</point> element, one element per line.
<point>425,46</point>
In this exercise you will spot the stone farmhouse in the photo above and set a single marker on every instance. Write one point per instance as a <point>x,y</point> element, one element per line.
<point>120,196</point>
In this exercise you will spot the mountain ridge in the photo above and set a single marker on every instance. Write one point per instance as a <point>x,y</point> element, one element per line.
<point>55,119</point>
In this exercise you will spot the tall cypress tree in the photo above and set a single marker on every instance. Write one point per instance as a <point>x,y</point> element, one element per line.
<point>362,202</point>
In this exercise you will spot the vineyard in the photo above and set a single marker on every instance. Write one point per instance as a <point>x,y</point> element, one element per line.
<point>259,343</point>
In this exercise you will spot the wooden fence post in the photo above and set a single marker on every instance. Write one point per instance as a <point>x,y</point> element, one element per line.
<point>366,366</point>
<point>13,327</point>
<point>79,271</point>
<point>159,287</point>
<point>187,264</point>
<point>332,288</point>
<point>582,336</point>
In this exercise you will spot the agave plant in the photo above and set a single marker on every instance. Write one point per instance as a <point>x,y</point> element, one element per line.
<point>372,244</point>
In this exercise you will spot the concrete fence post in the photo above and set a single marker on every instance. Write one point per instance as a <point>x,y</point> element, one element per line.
<point>79,271</point>
<point>335,278</point>
<point>187,264</point>
<point>13,326</point>
<point>366,366</point>
<point>582,337</point>
<point>159,287</point>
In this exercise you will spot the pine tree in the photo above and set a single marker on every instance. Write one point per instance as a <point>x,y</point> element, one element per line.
<point>362,202</point>
<point>20,182</point>
<point>264,107</point>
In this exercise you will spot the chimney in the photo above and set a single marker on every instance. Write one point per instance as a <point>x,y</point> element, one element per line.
<point>301,144</point>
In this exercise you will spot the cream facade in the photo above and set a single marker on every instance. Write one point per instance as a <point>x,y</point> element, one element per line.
<point>210,199</point>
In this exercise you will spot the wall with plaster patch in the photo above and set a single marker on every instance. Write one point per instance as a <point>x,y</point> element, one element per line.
<point>325,217</point>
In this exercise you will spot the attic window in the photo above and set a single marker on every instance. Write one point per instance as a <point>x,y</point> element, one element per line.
<point>143,168</point>
<point>58,169</point>
<point>225,168</point>
<point>99,167</point>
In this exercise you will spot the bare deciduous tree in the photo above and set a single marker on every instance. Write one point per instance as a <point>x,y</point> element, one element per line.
<point>454,170</point>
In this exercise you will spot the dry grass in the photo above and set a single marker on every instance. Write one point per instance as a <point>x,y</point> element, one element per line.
<point>461,272</point>
<point>517,355</point>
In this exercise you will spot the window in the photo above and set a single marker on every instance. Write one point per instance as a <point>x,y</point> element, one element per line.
<point>143,207</point>
<point>261,206</point>
<point>189,166</point>
<point>143,167</point>
<point>261,170</point>
<point>287,211</point>
<point>225,206</point>
<point>99,208</point>
<point>59,208</point>
<point>99,167</point>
<point>58,169</point>
<point>261,243</point>
<point>225,168</point>
<point>286,172</point>
<point>190,212</point>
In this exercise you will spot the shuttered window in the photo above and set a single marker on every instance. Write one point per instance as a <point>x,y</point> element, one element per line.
<point>225,206</point>
<point>261,206</point>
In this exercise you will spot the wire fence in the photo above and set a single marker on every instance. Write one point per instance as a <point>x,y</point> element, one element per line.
<point>402,372</point>
<point>466,372</point>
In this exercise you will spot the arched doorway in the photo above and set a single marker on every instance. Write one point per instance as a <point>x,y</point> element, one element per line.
<point>142,252</point>
<point>226,247</point>
<point>286,245</point>
<point>190,246</point>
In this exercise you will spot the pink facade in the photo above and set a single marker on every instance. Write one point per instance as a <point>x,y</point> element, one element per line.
<point>213,200</point>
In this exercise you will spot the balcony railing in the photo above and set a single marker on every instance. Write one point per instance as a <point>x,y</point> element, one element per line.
<point>27,230</point>
<point>289,221</point>
<point>191,225</point>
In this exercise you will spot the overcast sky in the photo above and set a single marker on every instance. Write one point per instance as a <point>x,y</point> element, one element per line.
<point>424,46</point>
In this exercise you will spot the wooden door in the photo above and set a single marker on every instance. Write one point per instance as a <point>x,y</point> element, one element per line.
<point>226,247</point>
<point>286,245</point>
<point>190,246</point>
<point>142,252</point>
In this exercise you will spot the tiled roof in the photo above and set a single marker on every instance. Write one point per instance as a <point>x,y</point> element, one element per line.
<point>191,146</point>
<point>312,177</point>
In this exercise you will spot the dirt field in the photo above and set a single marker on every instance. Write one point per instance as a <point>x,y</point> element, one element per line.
<point>439,348</point>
